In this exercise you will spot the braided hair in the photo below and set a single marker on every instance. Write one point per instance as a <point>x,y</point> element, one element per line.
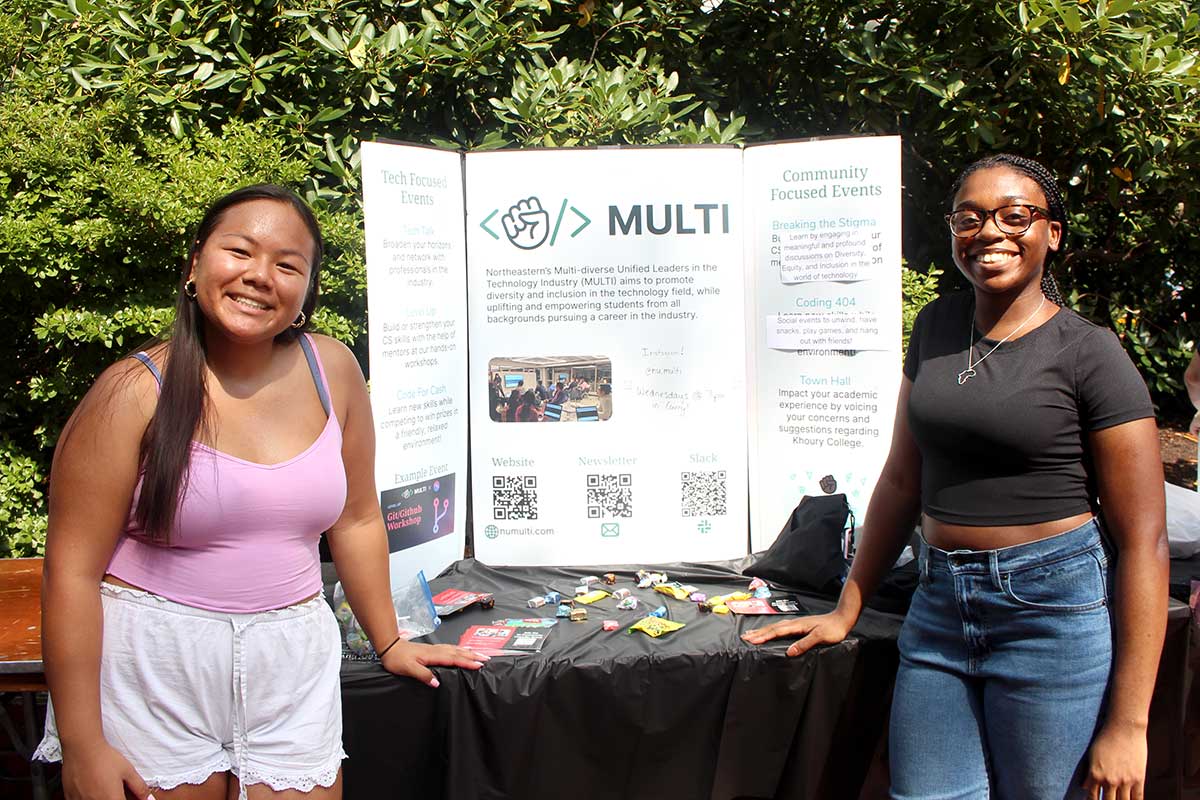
<point>1055,204</point>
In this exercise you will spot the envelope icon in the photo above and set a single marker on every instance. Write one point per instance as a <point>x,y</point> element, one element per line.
<point>610,529</point>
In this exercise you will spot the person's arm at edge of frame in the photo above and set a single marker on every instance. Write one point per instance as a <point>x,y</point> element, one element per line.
<point>1130,482</point>
<point>891,515</point>
<point>358,540</point>
<point>1191,379</point>
<point>88,510</point>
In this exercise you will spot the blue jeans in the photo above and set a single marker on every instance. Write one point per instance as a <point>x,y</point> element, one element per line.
<point>1004,666</point>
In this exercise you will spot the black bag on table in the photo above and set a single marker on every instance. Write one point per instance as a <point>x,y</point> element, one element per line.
<point>812,554</point>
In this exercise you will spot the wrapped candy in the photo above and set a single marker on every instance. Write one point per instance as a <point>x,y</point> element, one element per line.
<point>654,626</point>
<point>648,579</point>
<point>675,589</point>
<point>722,599</point>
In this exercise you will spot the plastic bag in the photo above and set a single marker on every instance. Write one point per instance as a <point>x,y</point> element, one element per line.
<point>415,616</point>
<point>1183,521</point>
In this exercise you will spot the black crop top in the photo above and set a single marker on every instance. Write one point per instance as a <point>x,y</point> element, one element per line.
<point>1009,446</point>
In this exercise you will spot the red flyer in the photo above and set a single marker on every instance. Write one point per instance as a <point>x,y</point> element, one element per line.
<point>502,640</point>
<point>755,605</point>
<point>760,605</point>
<point>447,601</point>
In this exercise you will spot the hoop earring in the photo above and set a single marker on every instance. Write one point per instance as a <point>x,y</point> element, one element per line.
<point>300,320</point>
<point>189,289</point>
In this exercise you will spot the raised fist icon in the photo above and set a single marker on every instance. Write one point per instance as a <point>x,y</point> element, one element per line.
<point>527,224</point>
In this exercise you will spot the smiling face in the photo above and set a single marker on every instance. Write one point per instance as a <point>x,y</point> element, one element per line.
<point>253,272</point>
<point>993,261</point>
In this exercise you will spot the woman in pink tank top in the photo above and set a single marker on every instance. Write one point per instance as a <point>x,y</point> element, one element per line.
<point>188,492</point>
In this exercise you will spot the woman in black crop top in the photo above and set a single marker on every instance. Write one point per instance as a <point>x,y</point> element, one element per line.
<point>1021,430</point>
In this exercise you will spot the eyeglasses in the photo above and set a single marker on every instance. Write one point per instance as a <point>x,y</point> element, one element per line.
<point>1011,220</point>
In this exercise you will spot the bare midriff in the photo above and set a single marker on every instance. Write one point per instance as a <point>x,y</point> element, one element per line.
<point>115,581</point>
<point>946,536</point>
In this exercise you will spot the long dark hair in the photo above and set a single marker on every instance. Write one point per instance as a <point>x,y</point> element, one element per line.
<point>1055,204</point>
<point>182,412</point>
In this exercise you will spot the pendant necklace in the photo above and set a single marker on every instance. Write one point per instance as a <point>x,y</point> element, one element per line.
<point>969,372</point>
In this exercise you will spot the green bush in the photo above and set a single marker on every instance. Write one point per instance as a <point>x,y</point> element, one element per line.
<point>917,290</point>
<point>22,505</point>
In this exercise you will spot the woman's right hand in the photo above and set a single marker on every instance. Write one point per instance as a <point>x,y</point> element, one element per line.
<point>414,659</point>
<point>99,772</point>
<point>828,628</point>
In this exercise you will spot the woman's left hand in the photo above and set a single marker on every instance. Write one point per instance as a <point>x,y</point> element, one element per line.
<point>1117,763</point>
<point>413,660</point>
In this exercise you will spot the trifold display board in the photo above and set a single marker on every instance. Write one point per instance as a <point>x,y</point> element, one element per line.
<point>665,344</point>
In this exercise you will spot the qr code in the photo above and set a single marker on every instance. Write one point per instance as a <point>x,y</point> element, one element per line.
<point>703,493</point>
<point>514,497</point>
<point>609,496</point>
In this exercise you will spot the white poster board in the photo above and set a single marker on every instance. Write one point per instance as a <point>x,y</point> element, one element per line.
<point>619,275</point>
<point>416,297</point>
<point>823,251</point>
<point>725,325</point>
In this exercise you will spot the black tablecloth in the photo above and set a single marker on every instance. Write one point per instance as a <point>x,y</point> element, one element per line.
<point>695,714</point>
<point>1183,572</point>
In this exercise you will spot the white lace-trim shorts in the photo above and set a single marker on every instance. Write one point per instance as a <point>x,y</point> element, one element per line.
<point>185,693</point>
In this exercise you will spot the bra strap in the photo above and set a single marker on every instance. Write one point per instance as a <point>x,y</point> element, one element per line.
<point>318,374</point>
<point>145,359</point>
<point>314,366</point>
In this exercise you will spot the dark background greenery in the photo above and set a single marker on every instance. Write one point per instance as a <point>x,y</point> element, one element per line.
<point>120,120</point>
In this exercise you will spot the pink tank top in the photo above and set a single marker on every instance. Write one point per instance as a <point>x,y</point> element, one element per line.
<point>245,535</point>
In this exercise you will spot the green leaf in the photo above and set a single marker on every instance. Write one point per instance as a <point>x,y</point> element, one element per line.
<point>393,38</point>
<point>220,79</point>
<point>1117,8</point>
<point>320,39</point>
<point>331,114</point>
<point>357,52</point>
<point>1070,16</point>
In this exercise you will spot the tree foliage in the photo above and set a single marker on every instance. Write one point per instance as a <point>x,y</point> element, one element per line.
<point>120,119</point>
